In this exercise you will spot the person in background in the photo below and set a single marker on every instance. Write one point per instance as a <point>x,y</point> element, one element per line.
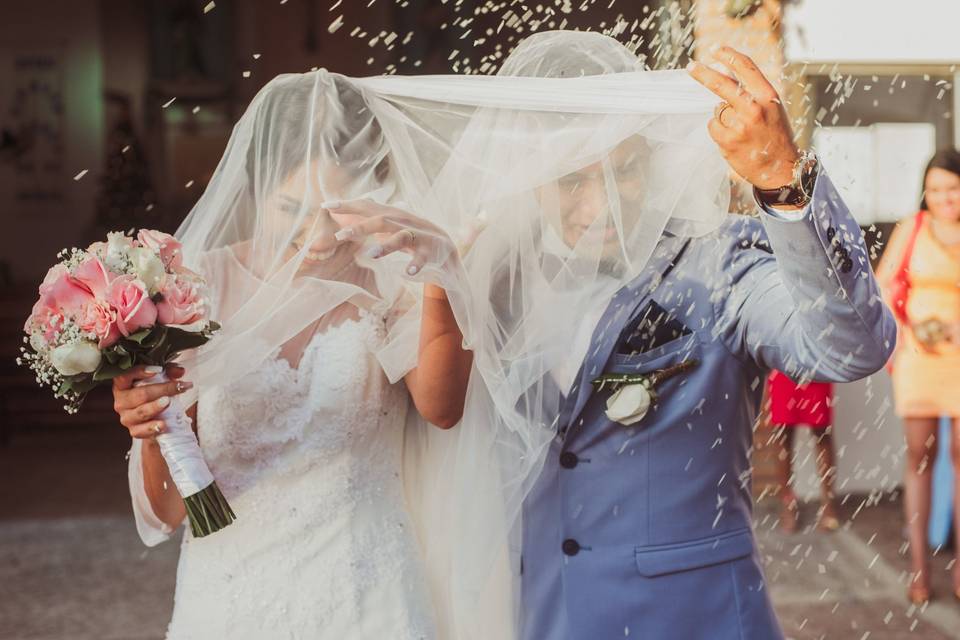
<point>919,276</point>
<point>795,405</point>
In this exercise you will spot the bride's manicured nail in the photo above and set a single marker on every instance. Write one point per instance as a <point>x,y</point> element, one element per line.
<point>412,270</point>
<point>154,370</point>
<point>330,204</point>
<point>344,234</point>
<point>374,252</point>
<point>164,402</point>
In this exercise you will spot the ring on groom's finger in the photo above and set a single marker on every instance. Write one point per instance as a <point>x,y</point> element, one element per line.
<point>718,111</point>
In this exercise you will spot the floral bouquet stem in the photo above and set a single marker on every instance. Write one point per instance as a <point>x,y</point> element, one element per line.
<point>207,509</point>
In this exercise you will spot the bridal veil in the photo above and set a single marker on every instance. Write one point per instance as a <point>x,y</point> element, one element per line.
<point>556,178</point>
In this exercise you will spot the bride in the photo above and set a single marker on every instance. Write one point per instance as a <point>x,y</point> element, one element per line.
<point>352,329</point>
<point>307,445</point>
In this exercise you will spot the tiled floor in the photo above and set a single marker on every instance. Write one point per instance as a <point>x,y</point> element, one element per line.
<point>72,567</point>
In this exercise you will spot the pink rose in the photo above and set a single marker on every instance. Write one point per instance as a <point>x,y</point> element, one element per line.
<point>68,295</point>
<point>128,297</point>
<point>94,276</point>
<point>98,318</point>
<point>53,274</point>
<point>45,317</point>
<point>180,303</point>
<point>166,245</point>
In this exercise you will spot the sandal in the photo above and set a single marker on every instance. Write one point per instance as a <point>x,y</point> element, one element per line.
<point>827,520</point>
<point>920,595</point>
<point>789,515</point>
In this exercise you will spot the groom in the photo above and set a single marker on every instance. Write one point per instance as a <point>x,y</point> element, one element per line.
<point>644,531</point>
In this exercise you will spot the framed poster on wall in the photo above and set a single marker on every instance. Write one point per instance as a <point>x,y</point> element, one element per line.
<point>32,135</point>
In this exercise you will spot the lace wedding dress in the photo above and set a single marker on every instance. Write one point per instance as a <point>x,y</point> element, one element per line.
<point>310,460</point>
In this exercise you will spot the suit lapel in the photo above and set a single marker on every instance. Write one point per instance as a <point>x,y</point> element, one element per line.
<point>613,321</point>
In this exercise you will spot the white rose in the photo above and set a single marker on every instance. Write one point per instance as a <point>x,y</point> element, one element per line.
<point>76,357</point>
<point>629,404</point>
<point>148,267</point>
<point>38,342</point>
<point>118,246</point>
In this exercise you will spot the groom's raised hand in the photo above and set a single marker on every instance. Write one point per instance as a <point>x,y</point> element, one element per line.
<point>750,126</point>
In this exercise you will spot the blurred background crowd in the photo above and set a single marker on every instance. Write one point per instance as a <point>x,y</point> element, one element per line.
<point>114,113</point>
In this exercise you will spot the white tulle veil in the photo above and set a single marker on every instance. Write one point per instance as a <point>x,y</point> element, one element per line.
<point>561,174</point>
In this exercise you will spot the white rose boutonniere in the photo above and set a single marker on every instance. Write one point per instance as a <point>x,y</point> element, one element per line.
<point>634,393</point>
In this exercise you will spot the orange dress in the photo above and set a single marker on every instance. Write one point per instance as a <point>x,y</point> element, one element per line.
<point>926,380</point>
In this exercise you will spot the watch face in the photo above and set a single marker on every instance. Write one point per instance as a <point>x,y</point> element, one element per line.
<point>809,177</point>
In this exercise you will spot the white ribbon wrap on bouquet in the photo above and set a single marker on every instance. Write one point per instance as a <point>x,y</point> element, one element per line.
<point>179,446</point>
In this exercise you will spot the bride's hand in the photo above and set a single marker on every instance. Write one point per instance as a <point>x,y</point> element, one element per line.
<point>395,230</point>
<point>138,406</point>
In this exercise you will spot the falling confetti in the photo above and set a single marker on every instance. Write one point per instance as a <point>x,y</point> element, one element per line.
<point>209,7</point>
<point>80,175</point>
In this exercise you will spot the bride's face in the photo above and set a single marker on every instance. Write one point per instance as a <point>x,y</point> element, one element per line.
<point>295,217</point>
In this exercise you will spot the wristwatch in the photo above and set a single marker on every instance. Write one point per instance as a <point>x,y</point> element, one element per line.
<point>800,191</point>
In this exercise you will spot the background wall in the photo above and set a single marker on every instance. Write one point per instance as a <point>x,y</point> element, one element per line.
<point>59,113</point>
<point>888,31</point>
<point>868,62</point>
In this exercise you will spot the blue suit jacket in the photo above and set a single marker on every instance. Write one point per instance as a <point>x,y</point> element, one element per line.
<point>645,531</point>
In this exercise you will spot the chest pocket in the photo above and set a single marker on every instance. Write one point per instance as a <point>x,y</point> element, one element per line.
<point>683,348</point>
<point>653,328</point>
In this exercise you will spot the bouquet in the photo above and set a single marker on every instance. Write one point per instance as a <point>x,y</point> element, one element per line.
<point>119,304</point>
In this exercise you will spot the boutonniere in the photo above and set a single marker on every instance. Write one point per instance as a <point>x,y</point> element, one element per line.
<point>634,393</point>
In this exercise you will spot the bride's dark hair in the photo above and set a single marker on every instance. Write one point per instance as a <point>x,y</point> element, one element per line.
<point>316,115</point>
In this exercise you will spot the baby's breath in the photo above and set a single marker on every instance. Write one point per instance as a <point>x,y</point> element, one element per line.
<point>47,376</point>
<point>72,258</point>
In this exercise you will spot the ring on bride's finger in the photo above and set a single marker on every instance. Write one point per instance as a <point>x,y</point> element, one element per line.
<point>179,387</point>
<point>413,236</point>
<point>345,234</point>
<point>718,111</point>
<point>156,429</point>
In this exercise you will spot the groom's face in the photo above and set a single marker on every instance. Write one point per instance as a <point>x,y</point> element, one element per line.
<point>589,201</point>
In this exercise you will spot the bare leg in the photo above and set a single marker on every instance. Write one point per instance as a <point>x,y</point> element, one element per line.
<point>921,437</point>
<point>788,500</point>
<point>827,470</point>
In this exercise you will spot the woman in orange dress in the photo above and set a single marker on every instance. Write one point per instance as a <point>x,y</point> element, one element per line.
<point>794,405</point>
<point>926,364</point>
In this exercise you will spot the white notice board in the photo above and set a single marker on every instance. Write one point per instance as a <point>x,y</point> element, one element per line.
<point>877,169</point>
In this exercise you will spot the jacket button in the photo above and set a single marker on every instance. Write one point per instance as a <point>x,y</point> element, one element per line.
<point>831,232</point>
<point>568,460</point>
<point>846,265</point>
<point>570,547</point>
